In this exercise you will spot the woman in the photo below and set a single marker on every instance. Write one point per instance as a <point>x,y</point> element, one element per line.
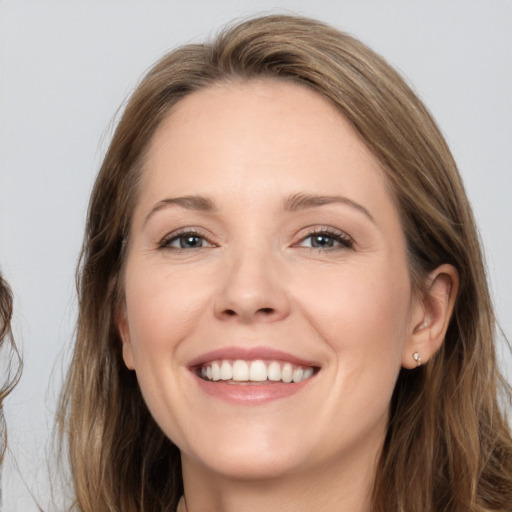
<point>282,299</point>
<point>8,380</point>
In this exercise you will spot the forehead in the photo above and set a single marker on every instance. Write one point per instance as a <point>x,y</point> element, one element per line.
<point>258,142</point>
<point>257,109</point>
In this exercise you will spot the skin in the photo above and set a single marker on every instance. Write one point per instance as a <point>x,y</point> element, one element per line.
<point>256,281</point>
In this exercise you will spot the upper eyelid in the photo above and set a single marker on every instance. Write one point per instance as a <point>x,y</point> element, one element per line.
<point>327,229</point>
<point>319,229</point>
<point>301,235</point>
<point>344,240</point>
<point>182,232</point>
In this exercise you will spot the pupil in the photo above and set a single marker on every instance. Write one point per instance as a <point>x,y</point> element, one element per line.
<point>192,241</point>
<point>322,241</point>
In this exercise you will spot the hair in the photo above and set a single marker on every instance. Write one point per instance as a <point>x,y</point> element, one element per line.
<point>448,444</point>
<point>12,371</point>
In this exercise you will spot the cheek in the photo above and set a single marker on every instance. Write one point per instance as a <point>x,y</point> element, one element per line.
<point>363,314</point>
<point>162,307</point>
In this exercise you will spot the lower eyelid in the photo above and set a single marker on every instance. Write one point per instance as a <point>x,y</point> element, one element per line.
<point>341,238</point>
<point>339,243</point>
<point>165,242</point>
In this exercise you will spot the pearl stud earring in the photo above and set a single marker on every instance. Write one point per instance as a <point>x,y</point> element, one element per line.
<point>417,358</point>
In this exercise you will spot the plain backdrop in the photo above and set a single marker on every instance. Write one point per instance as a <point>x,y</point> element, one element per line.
<point>66,67</point>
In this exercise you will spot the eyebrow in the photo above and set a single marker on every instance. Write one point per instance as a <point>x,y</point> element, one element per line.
<point>294,203</point>
<point>198,203</point>
<point>303,201</point>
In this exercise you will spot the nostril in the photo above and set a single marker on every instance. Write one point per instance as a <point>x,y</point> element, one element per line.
<point>260,311</point>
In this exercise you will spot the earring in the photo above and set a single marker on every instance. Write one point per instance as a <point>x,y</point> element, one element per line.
<point>417,358</point>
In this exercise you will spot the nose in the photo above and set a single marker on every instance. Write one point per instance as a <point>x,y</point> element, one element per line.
<point>252,290</point>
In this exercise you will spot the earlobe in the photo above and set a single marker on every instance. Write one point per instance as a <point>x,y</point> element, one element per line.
<point>124,334</point>
<point>433,316</point>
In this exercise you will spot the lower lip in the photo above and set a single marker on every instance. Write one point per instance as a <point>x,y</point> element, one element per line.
<point>251,393</point>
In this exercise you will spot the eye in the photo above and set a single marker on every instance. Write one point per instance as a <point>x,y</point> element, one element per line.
<point>186,239</point>
<point>327,240</point>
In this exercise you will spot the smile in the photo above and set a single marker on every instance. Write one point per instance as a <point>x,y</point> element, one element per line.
<point>240,371</point>
<point>252,376</point>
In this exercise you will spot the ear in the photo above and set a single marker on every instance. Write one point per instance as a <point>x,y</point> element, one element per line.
<point>124,333</point>
<point>431,316</point>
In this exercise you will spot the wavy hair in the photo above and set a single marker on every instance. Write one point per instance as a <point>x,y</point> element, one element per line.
<point>448,444</point>
<point>11,363</point>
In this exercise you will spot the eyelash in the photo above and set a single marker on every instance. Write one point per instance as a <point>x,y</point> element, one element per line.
<point>166,242</point>
<point>344,241</point>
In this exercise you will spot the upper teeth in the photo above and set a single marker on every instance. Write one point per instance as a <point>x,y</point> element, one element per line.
<point>254,371</point>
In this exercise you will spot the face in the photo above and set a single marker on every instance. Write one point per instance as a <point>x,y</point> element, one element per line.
<point>268,302</point>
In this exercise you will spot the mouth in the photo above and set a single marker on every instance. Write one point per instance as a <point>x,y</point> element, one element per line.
<point>257,371</point>
<point>252,375</point>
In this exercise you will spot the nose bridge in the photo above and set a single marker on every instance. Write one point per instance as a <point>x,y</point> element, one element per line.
<point>252,288</point>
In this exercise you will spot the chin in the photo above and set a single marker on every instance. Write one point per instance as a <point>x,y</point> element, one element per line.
<point>247,457</point>
<point>243,467</point>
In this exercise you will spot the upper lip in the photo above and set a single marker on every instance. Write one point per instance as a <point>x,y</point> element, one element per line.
<point>250,354</point>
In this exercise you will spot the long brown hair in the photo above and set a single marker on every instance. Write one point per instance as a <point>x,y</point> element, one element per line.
<point>448,446</point>
<point>11,361</point>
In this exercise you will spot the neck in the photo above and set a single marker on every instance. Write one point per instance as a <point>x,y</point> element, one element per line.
<point>346,489</point>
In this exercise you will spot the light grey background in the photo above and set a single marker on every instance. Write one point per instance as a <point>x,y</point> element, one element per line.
<point>67,66</point>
